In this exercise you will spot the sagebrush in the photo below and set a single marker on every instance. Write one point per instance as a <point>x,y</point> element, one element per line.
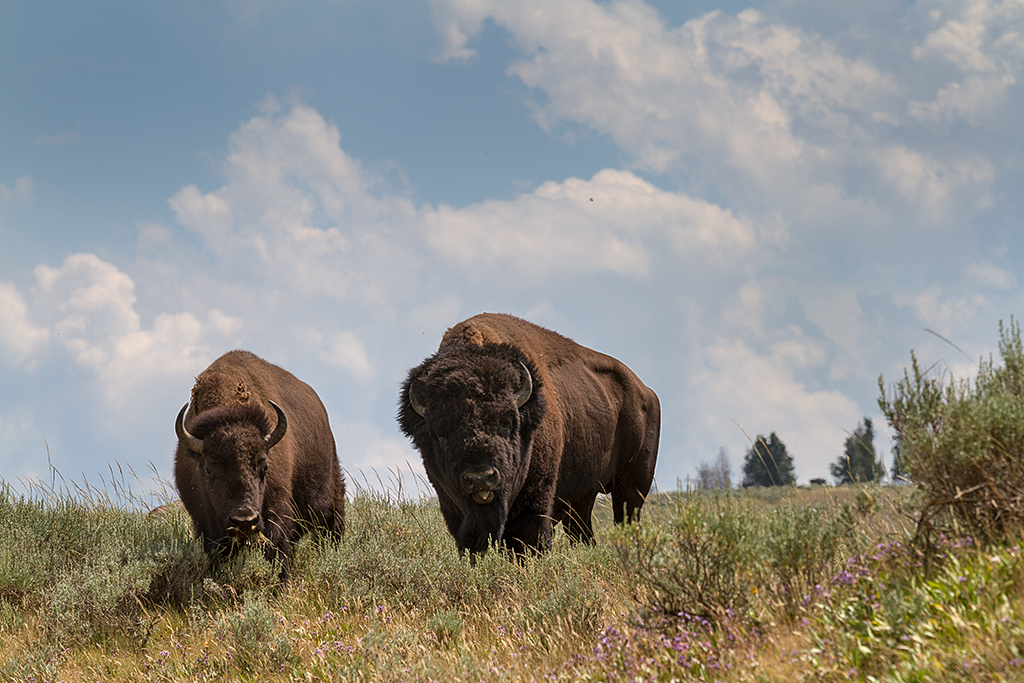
<point>962,442</point>
<point>710,586</point>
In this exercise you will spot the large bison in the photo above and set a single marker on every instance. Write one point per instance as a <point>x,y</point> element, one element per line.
<point>256,459</point>
<point>520,428</point>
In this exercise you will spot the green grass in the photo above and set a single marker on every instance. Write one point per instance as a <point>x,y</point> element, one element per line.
<point>819,584</point>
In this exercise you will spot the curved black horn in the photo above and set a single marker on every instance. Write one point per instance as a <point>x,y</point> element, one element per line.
<point>525,388</point>
<point>416,405</point>
<point>195,445</point>
<point>282,426</point>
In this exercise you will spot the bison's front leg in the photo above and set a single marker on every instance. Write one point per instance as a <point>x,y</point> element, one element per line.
<point>278,541</point>
<point>451,513</point>
<point>216,548</point>
<point>274,553</point>
<point>529,531</point>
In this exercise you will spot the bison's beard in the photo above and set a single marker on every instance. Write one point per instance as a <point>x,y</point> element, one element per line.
<point>482,525</point>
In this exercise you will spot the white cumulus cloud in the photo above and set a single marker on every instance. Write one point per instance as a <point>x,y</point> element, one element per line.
<point>768,114</point>
<point>984,39</point>
<point>90,305</point>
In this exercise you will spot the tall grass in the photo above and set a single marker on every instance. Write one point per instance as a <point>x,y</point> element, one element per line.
<point>912,583</point>
<point>733,586</point>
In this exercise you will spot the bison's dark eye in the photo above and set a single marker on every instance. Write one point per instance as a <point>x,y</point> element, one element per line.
<point>207,472</point>
<point>439,437</point>
<point>261,467</point>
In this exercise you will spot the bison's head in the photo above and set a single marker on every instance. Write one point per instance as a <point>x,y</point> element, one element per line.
<point>472,412</point>
<point>231,447</point>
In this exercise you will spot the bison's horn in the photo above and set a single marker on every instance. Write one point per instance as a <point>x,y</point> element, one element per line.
<point>282,426</point>
<point>195,445</point>
<point>416,405</point>
<point>525,388</point>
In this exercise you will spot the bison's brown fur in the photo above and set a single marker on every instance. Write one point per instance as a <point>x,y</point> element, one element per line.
<point>505,473</point>
<point>240,488</point>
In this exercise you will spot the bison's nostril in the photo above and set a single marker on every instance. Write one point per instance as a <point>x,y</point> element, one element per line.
<point>244,522</point>
<point>481,480</point>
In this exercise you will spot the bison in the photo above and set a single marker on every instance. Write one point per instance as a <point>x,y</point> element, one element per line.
<point>520,428</point>
<point>256,459</point>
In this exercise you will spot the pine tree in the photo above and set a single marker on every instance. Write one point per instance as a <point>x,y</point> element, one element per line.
<point>898,472</point>
<point>768,463</point>
<point>858,464</point>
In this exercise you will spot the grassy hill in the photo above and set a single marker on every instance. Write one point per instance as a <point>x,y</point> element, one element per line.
<point>763,585</point>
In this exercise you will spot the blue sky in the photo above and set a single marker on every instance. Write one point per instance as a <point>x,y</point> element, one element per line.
<point>760,207</point>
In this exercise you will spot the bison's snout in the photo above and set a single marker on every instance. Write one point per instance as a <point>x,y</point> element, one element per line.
<point>481,484</point>
<point>243,523</point>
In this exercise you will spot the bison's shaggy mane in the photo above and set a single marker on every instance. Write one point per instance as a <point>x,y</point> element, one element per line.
<point>533,412</point>
<point>501,351</point>
<point>209,420</point>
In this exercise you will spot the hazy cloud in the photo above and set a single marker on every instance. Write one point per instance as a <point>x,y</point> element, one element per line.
<point>19,338</point>
<point>730,91</point>
<point>991,275</point>
<point>756,392</point>
<point>63,138</point>
<point>21,190</point>
<point>345,351</point>
<point>985,41</point>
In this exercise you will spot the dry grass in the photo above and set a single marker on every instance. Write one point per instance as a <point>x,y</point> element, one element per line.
<point>395,602</point>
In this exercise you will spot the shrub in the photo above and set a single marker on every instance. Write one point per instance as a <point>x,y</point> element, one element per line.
<point>446,628</point>
<point>251,638</point>
<point>695,564</point>
<point>719,555</point>
<point>963,443</point>
<point>802,546</point>
<point>887,615</point>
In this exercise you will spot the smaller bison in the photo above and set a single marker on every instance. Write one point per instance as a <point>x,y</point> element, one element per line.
<point>256,459</point>
<point>520,428</point>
